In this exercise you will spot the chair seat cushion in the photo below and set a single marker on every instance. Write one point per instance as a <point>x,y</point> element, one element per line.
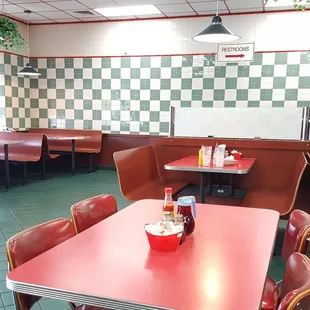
<point>155,190</point>
<point>270,296</point>
<point>265,198</point>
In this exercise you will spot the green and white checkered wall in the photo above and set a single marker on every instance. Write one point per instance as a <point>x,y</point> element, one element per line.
<point>2,93</point>
<point>134,94</point>
<point>18,111</point>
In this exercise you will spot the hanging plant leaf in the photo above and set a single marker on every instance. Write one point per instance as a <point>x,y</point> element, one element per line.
<point>10,38</point>
<point>299,5</point>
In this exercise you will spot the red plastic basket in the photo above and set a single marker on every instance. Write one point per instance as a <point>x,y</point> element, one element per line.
<point>237,156</point>
<point>164,243</point>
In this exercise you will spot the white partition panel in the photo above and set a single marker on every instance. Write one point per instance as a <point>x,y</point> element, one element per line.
<point>266,123</point>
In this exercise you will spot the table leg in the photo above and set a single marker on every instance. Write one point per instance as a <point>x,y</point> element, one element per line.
<point>202,187</point>
<point>209,184</point>
<point>6,166</point>
<point>73,157</point>
<point>230,186</point>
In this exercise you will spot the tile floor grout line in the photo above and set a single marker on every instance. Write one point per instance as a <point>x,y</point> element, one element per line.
<point>16,218</point>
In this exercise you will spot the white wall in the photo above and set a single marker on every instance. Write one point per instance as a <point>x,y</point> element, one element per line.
<point>271,32</point>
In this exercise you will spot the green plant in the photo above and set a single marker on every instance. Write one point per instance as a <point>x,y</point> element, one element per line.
<point>298,4</point>
<point>10,38</point>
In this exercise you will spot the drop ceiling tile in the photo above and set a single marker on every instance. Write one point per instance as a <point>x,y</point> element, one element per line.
<point>241,4</point>
<point>55,15</point>
<point>68,5</point>
<point>38,7</point>
<point>212,12</point>
<point>43,21</point>
<point>67,20</point>
<point>11,8</point>
<point>169,2</point>
<point>89,19</point>
<point>181,14</point>
<point>122,17</point>
<point>175,8</point>
<point>207,6</point>
<point>95,4</point>
<point>214,1</point>
<point>79,15</point>
<point>279,8</point>
<point>246,10</point>
<point>151,16</point>
<point>282,4</point>
<point>31,17</point>
<point>22,1</point>
<point>132,2</point>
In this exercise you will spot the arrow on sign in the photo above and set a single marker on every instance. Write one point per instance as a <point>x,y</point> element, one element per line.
<point>235,56</point>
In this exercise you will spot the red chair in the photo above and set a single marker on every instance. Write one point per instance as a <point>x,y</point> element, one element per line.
<point>296,234</point>
<point>32,242</point>
<point>295,240</point>
<point>294,292</point>
<point>90,211</point>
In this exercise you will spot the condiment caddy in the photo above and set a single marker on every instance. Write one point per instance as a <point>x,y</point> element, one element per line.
<point>171,231</point>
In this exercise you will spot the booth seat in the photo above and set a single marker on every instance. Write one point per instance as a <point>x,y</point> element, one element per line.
<point>138,176</point>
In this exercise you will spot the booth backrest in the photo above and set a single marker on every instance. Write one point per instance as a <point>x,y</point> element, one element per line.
<point>29,150</point>
<point>275,165</point>
<point>299,166</point>
<point>135,167</point>
<point>91,145</point>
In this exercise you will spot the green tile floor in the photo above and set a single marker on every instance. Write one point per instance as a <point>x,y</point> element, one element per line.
<point>39,201</point>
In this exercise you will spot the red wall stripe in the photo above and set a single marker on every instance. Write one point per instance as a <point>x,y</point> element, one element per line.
<point>155,55</point>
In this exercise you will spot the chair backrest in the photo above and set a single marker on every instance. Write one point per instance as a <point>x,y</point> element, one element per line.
<point>296,234</point>
<point>135,168</point>
<point>32,242</point>
<point>295,287</point>
<point>90,211</point>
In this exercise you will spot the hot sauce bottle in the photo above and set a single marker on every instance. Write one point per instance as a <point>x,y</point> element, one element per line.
<point>168,202</point>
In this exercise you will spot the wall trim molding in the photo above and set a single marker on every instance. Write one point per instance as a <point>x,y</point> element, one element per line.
<point>12,53</point>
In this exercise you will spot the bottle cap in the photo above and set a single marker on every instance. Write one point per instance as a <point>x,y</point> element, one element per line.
<point>168,190</point>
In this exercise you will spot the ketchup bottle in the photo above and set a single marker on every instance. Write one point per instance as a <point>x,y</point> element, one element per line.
<point>168,202</point>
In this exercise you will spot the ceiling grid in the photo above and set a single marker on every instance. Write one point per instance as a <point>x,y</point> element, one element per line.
<point>227,6</point>
<point>57,11</point>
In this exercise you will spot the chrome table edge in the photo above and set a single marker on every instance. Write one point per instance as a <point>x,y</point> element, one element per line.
<point>76,297</point>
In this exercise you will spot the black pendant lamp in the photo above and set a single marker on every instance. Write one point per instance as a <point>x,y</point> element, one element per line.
<point>28,70</point>
<point>216,32</point>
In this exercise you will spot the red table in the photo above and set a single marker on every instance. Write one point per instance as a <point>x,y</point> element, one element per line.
<point>222,266</point>
<point>242,166</point>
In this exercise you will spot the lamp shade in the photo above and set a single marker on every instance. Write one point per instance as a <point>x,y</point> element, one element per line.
<point>216,33</point>
<point>28,70</point>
